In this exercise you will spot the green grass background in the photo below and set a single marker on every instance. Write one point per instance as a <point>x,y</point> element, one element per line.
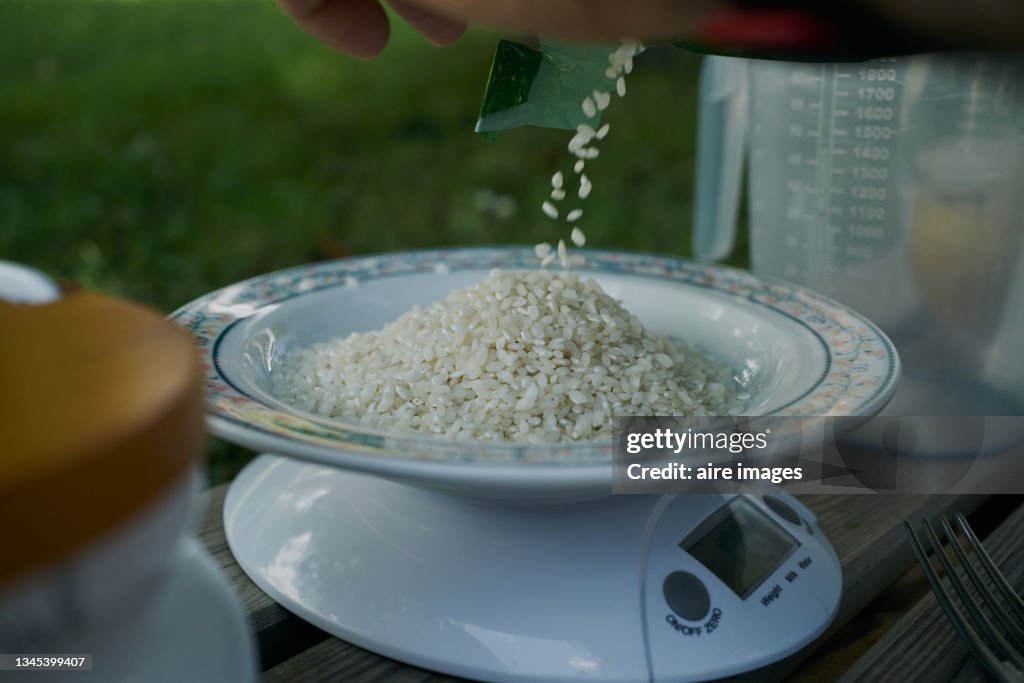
<point>157,150</point>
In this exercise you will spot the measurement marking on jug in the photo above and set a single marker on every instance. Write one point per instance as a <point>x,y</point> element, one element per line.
<point>826,189</point>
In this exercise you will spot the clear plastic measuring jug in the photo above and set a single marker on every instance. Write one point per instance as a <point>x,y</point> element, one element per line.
<point>895,186</point>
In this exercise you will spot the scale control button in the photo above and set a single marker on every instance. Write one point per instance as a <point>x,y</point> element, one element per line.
<point>686,595</point>
<point>779,507</point>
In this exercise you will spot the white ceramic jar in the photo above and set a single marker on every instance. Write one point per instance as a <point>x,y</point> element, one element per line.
<point>98,558</point>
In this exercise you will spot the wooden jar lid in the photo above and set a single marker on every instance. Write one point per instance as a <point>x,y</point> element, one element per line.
<point>100,412</point>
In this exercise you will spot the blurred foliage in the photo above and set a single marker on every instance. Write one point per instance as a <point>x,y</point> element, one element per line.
<point>158,150</point>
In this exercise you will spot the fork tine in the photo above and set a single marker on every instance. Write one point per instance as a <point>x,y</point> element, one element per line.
<point>1011,629</point>
<point>993,572</point>
<point>1003,649</point>
<point>976,646</point>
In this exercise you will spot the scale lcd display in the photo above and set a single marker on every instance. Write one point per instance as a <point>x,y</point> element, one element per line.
<point>741,545</point>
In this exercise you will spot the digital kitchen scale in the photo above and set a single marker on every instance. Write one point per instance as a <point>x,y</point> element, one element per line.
<point>621,588</point>
<point>510,561</point>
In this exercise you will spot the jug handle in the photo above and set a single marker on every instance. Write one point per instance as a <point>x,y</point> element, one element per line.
<point>722,122</point>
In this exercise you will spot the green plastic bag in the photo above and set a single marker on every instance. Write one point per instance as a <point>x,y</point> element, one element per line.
<point>544,87</point>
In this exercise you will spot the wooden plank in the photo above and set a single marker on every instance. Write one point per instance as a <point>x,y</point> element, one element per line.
<point>864,530</point>
<point>924,641</point>
<point>335,660</point>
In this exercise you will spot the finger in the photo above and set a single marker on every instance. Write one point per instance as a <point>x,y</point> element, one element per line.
<point>583,19</point>
<point>356,27</point>
<point>436,28</point>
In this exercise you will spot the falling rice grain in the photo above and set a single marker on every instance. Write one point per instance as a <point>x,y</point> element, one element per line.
<point>589,108</point>
<point>585,186</point>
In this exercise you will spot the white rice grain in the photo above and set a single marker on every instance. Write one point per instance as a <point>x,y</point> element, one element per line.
<point>585,133</point>
<point>589,108</point>
<point>585,186</point>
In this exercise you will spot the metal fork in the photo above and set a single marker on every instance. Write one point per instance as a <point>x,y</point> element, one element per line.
<point>998,650</point>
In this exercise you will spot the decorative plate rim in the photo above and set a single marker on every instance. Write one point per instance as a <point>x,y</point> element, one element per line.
<point>860,372</point>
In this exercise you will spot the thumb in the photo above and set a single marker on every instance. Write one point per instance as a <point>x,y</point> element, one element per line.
<point>356,27</point>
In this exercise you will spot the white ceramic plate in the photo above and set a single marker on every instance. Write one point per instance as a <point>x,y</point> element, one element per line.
<point>795,352</point>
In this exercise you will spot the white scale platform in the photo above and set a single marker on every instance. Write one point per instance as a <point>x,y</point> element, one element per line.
<point>623,588</point>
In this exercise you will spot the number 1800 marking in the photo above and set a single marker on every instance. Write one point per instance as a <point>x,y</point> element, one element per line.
<point>877,74</point>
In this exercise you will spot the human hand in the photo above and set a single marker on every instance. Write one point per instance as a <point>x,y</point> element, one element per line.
<point>994,24</point>
<point>990,24</point>
<point>360,27</point>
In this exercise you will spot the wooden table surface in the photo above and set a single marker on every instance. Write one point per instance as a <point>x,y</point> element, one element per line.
<point>870,639</point>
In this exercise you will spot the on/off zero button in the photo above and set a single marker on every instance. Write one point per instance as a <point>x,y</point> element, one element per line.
<point>686,595</point>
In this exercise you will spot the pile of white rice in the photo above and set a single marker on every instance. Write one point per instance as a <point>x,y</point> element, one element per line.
<point>533,356</point>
